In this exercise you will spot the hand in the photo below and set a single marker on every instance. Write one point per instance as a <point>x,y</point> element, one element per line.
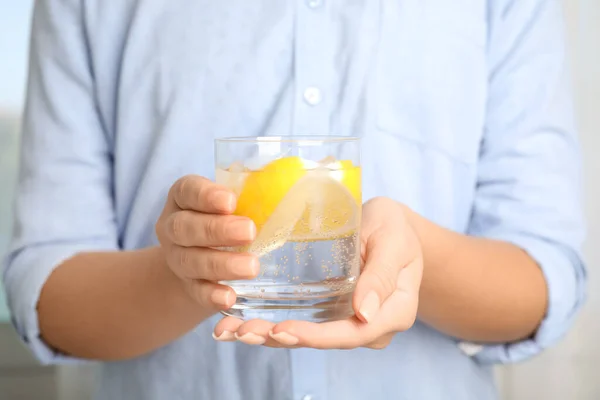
<point>195,220</point>
<point>385,300</point>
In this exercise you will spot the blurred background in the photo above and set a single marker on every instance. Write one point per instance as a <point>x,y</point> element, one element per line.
<point>567,372</point>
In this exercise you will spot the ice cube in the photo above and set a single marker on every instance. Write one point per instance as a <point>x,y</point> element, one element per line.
<point>236,167</point>
<point>233,177</point>
<point>327,161</point>
<point>257,162</point>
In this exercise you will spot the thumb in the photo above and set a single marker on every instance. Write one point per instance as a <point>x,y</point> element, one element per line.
<point>385,257</point>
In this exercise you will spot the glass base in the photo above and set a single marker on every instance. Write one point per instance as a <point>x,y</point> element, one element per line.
<point>312,310</point>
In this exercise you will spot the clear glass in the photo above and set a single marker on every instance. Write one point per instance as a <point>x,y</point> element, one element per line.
<point>304,195</point>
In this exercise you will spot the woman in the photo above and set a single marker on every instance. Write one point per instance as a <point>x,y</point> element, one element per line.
<point>470,168</point>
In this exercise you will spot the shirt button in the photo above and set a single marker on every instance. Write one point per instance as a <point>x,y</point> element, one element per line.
<point>312,96</point>
<point>307,397</point>
<point>314,3</point>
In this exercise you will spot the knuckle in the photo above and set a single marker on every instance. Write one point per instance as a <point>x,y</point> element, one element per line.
<point>176,227</point>
<point>180,187</point>
<point>212,266</point>
<point>176,259</point>
<point>202,193</point>
<point>184,259</point>
<point>187,189</point>
<point>161,228</point>
<point>198,194</point>
<point>190,263</point>
<point>211,230</point>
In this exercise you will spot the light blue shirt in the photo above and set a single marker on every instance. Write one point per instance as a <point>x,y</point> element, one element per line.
<point>464,112</point>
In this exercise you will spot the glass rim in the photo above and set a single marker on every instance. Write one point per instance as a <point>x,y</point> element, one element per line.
<point>288,139</point>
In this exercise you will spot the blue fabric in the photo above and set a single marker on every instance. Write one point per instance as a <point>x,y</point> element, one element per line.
<point>464,112</point>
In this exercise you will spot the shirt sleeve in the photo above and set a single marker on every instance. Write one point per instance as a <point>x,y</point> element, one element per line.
<point>529,176</point>
<point>64,201</point>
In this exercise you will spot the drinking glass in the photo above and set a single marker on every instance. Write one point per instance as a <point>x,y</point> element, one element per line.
<point>304,195</point>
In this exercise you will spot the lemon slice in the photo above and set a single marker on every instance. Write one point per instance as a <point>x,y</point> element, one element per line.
<point>318,207</point>
<point>290,199</point>
<point>330,210</point>
<point>264,189</point>
<point>335,203</point>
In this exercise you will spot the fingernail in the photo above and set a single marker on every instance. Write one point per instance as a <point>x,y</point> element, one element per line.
<point>251,339</point>
<point>223,200</point>
<point>369,306</point>
<point>243,266</point>
<point>284,338</point>
<point>226,336</point>
<point>242,230</point>
<point>221,297</point>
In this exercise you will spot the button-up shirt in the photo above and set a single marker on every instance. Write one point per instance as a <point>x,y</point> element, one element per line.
<point>464,114</point>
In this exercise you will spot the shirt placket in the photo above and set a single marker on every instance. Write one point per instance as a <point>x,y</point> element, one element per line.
<point>312,69</point>
<point>311,117</point>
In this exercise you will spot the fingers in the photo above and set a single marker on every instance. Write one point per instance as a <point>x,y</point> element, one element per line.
<point>255,332</point>
<point>397,314</point>
<point>200,194</point>
<point>346,334</point>
<point>209,295</point>
<point>190,228</point>
<point>226,328</point>
<point>211,264</point>
<point>385,257</point>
